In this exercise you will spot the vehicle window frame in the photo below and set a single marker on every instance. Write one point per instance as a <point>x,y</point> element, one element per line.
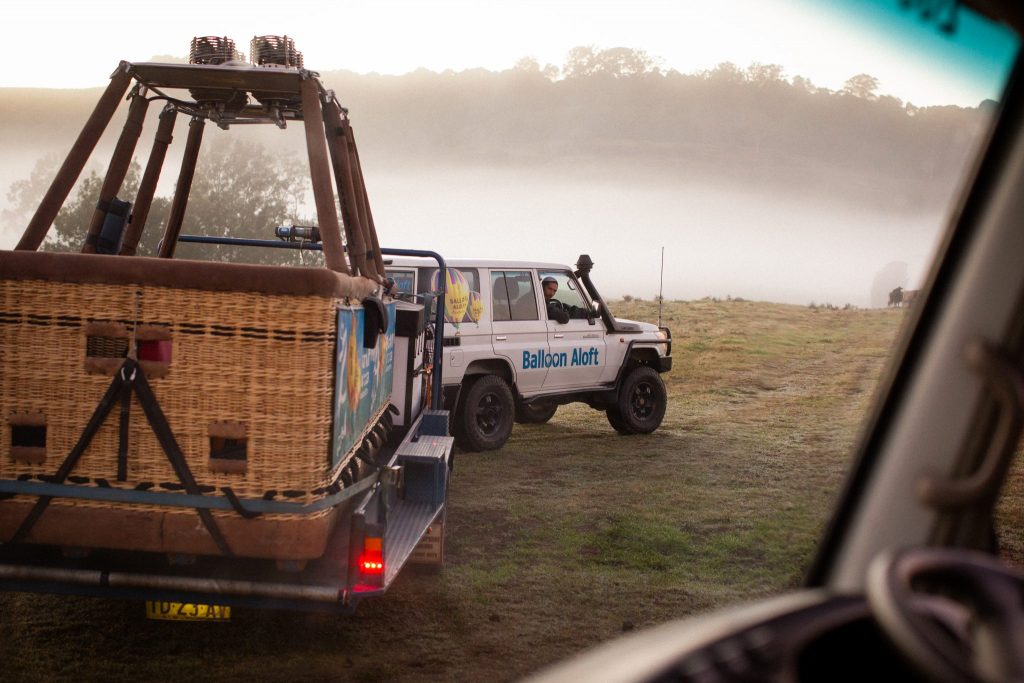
<point>571,285</point>
<point>522,300</point>
<point>472,274</point>
<point>391,271</point>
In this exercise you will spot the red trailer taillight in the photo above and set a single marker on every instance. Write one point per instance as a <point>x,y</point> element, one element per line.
<point>371,560</point>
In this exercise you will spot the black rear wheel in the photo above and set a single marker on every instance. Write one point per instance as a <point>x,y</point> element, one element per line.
<point>485,415</point>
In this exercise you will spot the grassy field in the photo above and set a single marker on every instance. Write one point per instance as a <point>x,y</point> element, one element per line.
<point>568,536</point>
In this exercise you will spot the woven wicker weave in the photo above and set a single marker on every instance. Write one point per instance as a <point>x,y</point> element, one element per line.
<point>129,527</point>
<point>260,363</point>
<point>276,378</point>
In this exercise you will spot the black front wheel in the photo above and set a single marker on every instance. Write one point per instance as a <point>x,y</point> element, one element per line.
<point>485,415</point>
<point>618,422</point>
<point>641,404</point>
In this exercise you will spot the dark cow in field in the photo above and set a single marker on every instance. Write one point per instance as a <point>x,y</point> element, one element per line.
<point>896,297</point>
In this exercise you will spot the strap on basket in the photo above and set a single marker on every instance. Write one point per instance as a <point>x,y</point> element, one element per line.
<point>128,379</point>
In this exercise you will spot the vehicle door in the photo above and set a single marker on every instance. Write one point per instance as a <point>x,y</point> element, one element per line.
<point>578,349</point>
<point>519,332</point>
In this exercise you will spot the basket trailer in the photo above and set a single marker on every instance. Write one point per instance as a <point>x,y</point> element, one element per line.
<point>199,433</point>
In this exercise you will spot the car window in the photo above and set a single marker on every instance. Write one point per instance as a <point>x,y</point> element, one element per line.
<point>568,291</point>
<point>500,306</point>
<point>514,295</point>
<point>404,279</point>
<point>463,292</point>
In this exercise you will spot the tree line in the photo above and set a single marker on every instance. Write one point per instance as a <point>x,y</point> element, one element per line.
<point>619,106</point>
<point>615,108</point>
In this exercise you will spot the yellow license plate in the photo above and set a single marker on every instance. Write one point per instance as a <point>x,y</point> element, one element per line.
<point>186,611</point>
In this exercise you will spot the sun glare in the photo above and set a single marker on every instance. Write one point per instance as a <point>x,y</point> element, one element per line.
<point>399,36</point>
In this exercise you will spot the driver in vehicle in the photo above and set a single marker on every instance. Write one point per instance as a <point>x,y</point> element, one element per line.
<point>558,310</point>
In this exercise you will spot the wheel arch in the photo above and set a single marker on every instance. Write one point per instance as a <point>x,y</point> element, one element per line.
<point>484,366</point>
<point>491,366</point>
<point>643,355</point>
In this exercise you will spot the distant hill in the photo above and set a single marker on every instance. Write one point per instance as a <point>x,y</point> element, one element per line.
<point>750,125</point>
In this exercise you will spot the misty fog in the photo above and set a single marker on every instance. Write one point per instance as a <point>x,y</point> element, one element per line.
<point>756,186</point>
<point>719,241</point>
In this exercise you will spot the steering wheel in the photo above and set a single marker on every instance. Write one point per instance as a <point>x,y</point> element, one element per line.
<point>898,584</point>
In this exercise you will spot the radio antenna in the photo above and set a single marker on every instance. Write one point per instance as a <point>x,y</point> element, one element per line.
<point>661,285</point>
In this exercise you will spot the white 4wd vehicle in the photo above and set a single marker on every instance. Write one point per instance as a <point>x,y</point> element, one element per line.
<point>516,351</point>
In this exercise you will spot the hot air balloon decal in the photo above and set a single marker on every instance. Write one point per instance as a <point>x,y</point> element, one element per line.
<point>476,306</point>
<point>380,366</point>
<point>354,374</point>
<point>456,298</point>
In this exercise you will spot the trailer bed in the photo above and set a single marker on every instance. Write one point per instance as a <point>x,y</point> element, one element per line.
<point>325,584</point>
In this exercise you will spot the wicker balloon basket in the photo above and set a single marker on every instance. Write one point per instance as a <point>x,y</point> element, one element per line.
<point>152,408</point>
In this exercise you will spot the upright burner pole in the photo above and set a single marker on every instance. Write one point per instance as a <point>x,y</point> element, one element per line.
<point>185,175</point>
<point>72,167</point>
<point>147,188</point>
<point>320,175</point>
<point>118,168</point>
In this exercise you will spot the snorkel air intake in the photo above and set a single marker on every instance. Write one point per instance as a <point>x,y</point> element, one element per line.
<point>584,265</point>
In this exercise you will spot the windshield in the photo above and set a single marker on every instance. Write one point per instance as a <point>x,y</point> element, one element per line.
<point>770,181</point>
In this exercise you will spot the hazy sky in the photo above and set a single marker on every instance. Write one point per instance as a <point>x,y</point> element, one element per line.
<point>74,45</point>
<point>719,240</point>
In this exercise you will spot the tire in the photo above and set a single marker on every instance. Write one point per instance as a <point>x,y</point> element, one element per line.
<point>485,416</point>
<point>535,413</point>
<point>616,420</point>
<point>642,401</point>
